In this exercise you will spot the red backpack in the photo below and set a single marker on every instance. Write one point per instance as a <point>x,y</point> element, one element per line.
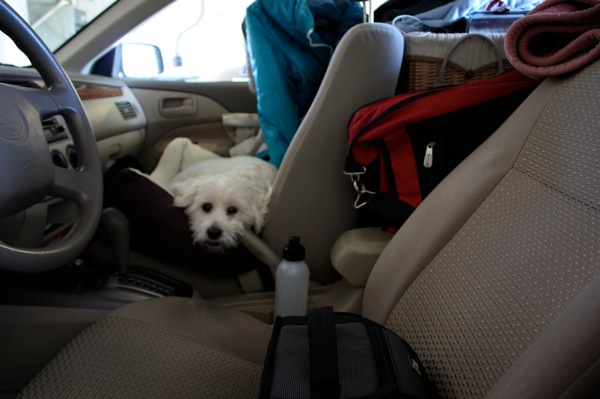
<point>401,147</point>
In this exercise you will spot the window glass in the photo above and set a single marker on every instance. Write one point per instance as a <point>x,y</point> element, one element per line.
<point>56,21</point>
<point>200,40</point>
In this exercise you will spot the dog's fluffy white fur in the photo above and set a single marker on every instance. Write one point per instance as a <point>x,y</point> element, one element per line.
<point>223,197</point>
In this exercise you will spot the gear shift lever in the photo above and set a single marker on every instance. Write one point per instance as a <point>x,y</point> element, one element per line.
<point>116,226</point>
<point>134,282</point>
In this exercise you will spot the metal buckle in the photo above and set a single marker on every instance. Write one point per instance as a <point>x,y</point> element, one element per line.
<point>359,187</point>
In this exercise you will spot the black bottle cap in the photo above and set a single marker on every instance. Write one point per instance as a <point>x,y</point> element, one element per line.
<point>294,251</point>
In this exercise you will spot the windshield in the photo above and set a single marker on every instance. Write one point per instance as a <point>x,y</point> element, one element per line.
<point>56,21</point>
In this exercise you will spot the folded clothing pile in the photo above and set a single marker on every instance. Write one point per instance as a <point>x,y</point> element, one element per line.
<point>556,37</point>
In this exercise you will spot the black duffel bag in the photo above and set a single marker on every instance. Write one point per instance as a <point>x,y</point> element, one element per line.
<point>331,354</point>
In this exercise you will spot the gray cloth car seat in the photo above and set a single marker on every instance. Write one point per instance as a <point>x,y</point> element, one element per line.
<point>494,280</point>
<point>311,197</point>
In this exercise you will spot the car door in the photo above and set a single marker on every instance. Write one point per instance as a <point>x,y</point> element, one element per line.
<point>189,109</point>
<point>187,67</point>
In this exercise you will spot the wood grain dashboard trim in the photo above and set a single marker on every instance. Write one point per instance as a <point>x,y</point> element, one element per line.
<point>89,92</point>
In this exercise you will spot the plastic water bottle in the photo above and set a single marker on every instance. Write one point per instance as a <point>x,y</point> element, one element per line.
<point>291,281</point>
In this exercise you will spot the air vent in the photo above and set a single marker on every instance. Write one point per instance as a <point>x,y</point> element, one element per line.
<point>126,109</point>
<point>22,83</point>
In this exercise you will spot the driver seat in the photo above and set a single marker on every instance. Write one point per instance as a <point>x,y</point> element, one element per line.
<point>494,280</point>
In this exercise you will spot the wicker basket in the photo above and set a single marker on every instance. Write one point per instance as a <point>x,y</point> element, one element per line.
<point>424,71</point>
<point>464,59</point>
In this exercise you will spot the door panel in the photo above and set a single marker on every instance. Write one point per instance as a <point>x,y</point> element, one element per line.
<point>193,110</point>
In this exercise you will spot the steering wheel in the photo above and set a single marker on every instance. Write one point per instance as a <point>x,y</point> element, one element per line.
<point>27,174</point>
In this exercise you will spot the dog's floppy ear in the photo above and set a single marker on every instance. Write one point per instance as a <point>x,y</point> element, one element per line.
<point>259,223</point>
<point>262,200</point>
<point>183,194</point>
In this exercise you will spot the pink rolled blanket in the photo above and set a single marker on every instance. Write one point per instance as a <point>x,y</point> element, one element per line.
<point>556,37</point>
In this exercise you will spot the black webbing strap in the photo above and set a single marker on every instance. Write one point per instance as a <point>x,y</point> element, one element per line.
<point>322,343</point>
<point>390,207</point>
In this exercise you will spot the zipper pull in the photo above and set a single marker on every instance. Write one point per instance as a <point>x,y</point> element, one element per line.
<point>428,161</point>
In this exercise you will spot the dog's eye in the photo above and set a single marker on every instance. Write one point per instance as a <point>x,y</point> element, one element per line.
<point>207,207</point>
<point>232,210</point>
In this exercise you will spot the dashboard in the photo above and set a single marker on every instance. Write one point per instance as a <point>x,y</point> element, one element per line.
<point>119,125</point>
<point>116,116</point>
<point>114,112</point>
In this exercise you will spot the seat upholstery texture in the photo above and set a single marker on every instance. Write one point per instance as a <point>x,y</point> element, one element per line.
<point>512,241</point>
<point>494,280</point>
<point>168,348</point>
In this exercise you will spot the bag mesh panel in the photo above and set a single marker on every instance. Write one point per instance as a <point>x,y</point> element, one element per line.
<point>521,258</point>
<point>125,358</point>
<point>358,372</point>
<point>356,365</point>
<point>291,372</point>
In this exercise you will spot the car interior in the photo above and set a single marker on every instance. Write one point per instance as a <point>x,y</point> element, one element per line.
<point>494,280</point>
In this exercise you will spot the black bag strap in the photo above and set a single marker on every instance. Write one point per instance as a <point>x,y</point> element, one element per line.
<point>322,342</point>
<point>391,208</point>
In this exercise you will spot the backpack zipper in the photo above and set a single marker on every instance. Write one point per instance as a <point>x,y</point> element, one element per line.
<point>428,161</point>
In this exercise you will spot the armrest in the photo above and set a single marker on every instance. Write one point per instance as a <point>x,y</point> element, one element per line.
<point>355,252</point>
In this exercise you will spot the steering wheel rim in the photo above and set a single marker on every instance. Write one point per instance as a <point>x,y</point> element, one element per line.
<point>25,154</point>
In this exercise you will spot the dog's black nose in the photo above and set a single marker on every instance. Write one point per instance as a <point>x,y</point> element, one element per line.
<point>214,232</point>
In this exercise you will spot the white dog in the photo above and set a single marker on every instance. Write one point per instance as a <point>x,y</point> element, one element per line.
<point>223,197</point>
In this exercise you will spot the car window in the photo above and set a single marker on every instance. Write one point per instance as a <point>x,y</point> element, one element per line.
<point>194,40</point>
<point>56,21</point>
<point>200,40</point>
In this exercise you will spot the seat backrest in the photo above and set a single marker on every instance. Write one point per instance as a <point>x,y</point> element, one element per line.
<point>495,278</point>
<point>312,198</point>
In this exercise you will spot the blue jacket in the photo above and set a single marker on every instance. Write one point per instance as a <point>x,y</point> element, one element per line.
<point>290,44</point>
